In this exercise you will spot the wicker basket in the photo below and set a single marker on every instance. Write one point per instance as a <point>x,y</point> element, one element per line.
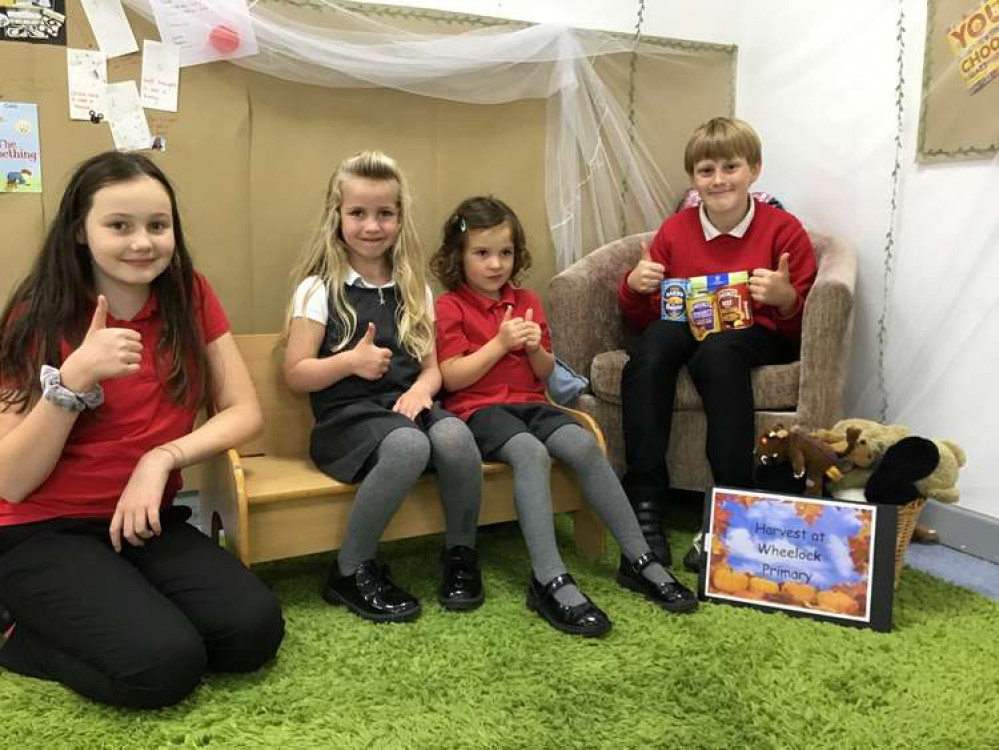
<point>908,515</point>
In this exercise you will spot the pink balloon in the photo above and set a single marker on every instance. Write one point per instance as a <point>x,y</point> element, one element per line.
<point>225,39</point>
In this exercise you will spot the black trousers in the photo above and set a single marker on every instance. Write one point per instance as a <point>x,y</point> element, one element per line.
<point>720,367</point>
<point>136,629</point>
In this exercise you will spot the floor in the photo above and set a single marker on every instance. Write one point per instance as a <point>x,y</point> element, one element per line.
<point>957,567</point>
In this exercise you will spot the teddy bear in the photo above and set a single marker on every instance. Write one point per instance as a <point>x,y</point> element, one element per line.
<point>939,480</point>
<point>810,458</point>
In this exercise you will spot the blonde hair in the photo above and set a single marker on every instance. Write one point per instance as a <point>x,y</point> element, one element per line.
<point>326,257</point>
<point>723,138</point>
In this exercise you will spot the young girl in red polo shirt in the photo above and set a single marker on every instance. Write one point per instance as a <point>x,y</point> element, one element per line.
<point>361,344</point>
<point>495,355</point>
<point>107,350</point>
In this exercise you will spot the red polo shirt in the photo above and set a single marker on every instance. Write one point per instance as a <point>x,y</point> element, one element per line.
<point>467,321</point>
<point>106,443</point>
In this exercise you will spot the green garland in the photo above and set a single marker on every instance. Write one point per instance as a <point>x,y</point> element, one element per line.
<point>889,252</point>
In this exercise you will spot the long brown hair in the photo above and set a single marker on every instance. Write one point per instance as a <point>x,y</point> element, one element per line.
<point>54,302</point>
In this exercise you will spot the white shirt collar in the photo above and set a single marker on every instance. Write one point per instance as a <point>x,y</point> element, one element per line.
<point>353,278</point>
<point>711,231</point>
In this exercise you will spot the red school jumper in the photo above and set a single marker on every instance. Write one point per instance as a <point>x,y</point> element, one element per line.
<point>106,443</point>
<point>467,321</point>
<point>680,246</point>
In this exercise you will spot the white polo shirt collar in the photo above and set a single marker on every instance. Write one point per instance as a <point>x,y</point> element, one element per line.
<point>711,231</point>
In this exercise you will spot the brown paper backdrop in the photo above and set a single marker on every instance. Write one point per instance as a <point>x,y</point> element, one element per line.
<point>953,122</point>
<point>250,154</point>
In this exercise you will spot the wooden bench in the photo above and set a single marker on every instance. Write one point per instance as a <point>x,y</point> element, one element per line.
<point>271,502</point>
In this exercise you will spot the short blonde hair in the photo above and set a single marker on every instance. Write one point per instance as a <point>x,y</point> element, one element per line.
<point>723,138</point>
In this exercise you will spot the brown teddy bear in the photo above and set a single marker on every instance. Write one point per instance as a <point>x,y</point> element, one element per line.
<point>809,457</point>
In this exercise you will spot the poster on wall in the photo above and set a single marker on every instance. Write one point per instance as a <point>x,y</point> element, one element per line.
<point>960,81</point>
<point>828,559</point>
<point>33,21</point>
<point>20,155</point>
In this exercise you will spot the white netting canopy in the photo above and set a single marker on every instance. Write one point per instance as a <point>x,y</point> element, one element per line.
<point>595,160</point>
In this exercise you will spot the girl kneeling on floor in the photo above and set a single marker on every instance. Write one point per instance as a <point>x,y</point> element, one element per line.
<point>361,344</point>
<point>111,592</point>
<point>495,355</point>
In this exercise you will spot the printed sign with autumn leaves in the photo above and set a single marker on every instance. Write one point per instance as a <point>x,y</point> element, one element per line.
<point>812,556</point>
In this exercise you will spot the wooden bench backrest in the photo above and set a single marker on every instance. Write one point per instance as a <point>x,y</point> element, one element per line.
<point>287,416</point>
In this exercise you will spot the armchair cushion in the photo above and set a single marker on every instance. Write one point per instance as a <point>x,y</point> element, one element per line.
<point>774,386</point>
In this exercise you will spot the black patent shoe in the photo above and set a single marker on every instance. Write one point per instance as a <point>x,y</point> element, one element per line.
<point>6,624</point>
<point>371,594</point>
<point>692,560</point>
<point>671,595</point>
<point>461,581</point>
<point>584,619</point>
<point>649,515</point>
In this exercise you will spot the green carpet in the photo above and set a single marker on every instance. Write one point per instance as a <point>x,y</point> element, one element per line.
<point>499,677</point>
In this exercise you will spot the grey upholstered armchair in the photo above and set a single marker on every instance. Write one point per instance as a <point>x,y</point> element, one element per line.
<point>589,334</point>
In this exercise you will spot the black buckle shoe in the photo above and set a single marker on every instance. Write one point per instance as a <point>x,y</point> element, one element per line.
<point>461,581</point>
<point>371,594</point>
<point>649,514</point>
<point>671,595</point>
<point>584,619</point>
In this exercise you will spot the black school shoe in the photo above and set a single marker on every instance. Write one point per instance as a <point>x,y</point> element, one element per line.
<point>461,581</point>
<point>692,560</point>
<point>369,593</point>
<point>584,619</point>
<point>6,624</point>
<point>649,514</point>
<point>672,595</point>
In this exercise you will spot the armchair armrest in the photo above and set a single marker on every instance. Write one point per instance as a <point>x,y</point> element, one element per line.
<point>582,302</point>
<point>826,332</point>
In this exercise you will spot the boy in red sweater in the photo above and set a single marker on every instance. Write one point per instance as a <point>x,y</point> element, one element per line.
<point>729,231</point>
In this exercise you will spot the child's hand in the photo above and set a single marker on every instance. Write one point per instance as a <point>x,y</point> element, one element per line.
<point>412,402</point>
<point>773,287</point>
<point>370,361</point>
<point>137,516</point>
<point>532,341</point>
<point>647,275</point>
<point>513,332</point>
<point>104,353</point>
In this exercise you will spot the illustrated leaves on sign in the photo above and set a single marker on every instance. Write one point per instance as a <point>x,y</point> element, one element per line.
<point>722,518</point>
<point>809,513</point>
<point>744,500</point>
<point>860,549</point>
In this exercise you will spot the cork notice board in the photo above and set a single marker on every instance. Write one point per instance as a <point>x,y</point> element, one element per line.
<point>959,118</point>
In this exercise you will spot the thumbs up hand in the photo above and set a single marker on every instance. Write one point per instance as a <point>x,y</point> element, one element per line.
<point>512,331</point>
<point>104,353</point>
<point>370,360</point>
<point>532,340</point>
<point>774,288</point>
<point>647,274</point>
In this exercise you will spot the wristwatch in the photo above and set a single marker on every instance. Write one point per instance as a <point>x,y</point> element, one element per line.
<point>55,392</point>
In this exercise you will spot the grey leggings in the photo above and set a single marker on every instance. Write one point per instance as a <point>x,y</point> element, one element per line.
<point>531,463</point>
<point>402,457</point>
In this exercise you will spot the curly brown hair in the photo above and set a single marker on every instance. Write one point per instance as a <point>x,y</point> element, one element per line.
<point>480,212</point>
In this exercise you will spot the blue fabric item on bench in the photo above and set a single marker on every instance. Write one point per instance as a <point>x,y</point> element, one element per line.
<point>564,384</point>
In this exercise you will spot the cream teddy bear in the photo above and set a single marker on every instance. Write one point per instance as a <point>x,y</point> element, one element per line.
<point>876,438</point>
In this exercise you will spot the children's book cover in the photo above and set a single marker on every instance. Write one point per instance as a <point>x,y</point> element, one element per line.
<point>33,21</point>
<point>20,153</point>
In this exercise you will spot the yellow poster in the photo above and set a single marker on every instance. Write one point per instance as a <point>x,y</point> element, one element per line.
<point>974,40</point>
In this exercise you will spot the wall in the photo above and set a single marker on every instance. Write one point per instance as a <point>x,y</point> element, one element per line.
<point>818,82</point>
